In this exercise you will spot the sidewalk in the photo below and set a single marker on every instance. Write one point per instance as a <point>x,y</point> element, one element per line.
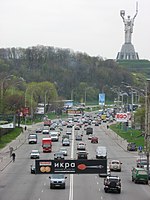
<point>119,140</point>
<point>5,158</point>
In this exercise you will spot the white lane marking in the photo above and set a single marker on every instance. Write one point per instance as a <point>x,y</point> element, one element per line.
<point>71,187</point>
<point>101,197</point>
<point>97,183</point>
<point>42,191</point>
<point>71,175</point>
<point>44,183</point>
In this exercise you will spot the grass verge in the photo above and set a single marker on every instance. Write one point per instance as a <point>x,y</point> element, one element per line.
<point>130,135</point>
<point>5,139</point>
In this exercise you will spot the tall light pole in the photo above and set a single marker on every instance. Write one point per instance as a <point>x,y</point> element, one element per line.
<point>85,96</point>
<point>45,100</point>
<point>147,122</point>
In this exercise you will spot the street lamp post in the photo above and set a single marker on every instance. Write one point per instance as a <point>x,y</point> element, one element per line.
<point>45,101</point>
<point>147,122</point>
<point>85,96</point>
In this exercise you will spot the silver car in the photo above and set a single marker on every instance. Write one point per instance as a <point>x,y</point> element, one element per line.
<point>66,142</point>
<point>59,155</point>
<point>35,154</point>
<point>64,151</point>
<point>57,181</point>
<point>115,165</point>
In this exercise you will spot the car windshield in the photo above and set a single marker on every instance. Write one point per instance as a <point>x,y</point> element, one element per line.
<point>142,172</point>
<point>46,145</point>
<point>58,154</point>
<point>63,149</point>
<point>65,140</point>
<point>57,176</point>
<point>32,136</point>
<point>115,162</point>
<point>114,180</point>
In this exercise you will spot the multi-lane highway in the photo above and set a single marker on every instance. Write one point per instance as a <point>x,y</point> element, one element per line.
<point>17,183</point>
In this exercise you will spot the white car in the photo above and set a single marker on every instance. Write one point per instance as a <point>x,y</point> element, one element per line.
<point>54,135</point>
<point>45,130</point>
<point>35,154</point>
<point>115,165</point>
<point>81,146</point>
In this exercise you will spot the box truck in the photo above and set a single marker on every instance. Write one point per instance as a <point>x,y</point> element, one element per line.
<point>47,144</point>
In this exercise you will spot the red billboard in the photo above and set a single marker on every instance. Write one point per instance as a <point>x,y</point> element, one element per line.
<point>25,111</point>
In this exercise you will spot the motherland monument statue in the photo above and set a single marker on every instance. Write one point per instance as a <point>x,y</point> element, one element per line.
<point>127,51</point>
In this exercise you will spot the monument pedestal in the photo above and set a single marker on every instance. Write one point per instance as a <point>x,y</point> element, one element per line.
<point>127,52</point>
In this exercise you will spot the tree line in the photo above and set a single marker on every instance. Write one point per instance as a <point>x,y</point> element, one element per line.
<point>72,72</point>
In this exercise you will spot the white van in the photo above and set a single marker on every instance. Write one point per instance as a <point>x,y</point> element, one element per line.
<point>101,152</point>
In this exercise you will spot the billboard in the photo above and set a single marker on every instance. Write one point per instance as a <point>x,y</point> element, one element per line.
<point>71,166</point>
<point>102,99</point>
<point>122,117</point>
<point>39,111</point>
<point>24,111</point>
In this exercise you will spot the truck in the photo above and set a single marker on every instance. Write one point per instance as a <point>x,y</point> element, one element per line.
<point>47,144</point>
<point>32,138</point>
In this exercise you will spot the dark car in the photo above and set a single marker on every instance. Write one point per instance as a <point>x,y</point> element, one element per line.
<point>112,183</point>
<point>131,147</point>
<point>89,130</point>
<point>82,155</point>
<point>57,181</point>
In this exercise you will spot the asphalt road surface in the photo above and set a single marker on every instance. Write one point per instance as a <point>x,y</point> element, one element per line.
<point>17,183</point>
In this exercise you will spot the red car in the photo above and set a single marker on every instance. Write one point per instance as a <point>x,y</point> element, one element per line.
<point>94,139</point>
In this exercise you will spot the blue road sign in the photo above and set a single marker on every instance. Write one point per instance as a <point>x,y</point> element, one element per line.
<point>140,148</point>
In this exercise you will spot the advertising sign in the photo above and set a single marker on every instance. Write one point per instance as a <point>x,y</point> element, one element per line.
<point>24,111</point>
<point>74,112</point>
<point>102,99</point>
<point>39,111</point>
<point>121,117</point>
<point>71,166</point>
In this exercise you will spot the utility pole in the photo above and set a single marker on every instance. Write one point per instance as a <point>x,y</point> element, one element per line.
<point>147,122</point>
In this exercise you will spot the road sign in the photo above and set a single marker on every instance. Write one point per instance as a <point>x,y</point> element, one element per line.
<point>140,148</point>
<point>71,166</point>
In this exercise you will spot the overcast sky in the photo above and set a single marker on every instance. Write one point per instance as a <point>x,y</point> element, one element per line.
<point>91,26</point>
